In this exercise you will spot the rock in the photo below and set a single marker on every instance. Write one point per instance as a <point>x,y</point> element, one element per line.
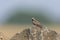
<point>37,32</point>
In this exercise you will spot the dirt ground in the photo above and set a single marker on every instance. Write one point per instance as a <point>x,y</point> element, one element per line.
<point>9,30</point>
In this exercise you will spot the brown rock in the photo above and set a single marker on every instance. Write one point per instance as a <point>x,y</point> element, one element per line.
<point>37,32</point>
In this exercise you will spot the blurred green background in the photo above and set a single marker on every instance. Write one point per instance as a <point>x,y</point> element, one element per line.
<point>25,17</point>
<point>21,12</point>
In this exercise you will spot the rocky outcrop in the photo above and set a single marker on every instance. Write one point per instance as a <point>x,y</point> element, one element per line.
<point>37,32</point>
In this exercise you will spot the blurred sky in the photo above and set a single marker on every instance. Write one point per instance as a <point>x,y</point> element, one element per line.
<point>52,6</point>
